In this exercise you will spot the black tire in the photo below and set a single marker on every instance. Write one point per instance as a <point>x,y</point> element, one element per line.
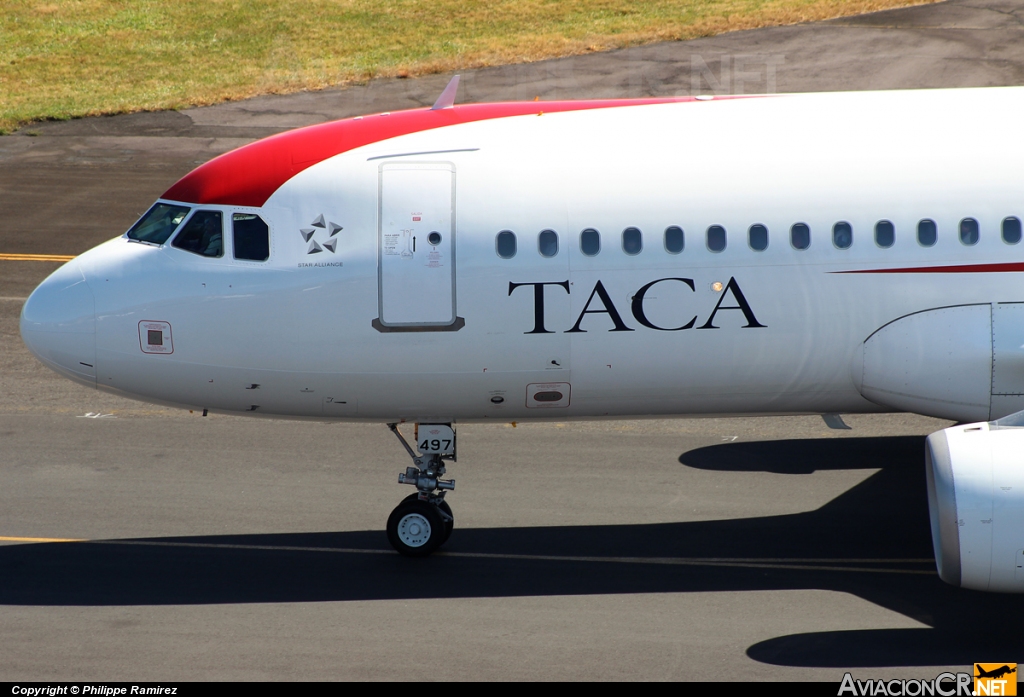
<point>449,525</point>
<point>415,528</point>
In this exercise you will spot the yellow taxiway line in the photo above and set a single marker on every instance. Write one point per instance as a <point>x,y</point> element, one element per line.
<point>36,257</point>
<point>794,564</point>
<point>39,539</point>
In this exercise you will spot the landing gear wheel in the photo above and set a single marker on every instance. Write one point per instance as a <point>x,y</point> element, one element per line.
<point>422,522</point>
<point>415,528</point>
<point>449,525</point>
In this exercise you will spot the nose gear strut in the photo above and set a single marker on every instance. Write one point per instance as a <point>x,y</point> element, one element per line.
<point>423,521</point>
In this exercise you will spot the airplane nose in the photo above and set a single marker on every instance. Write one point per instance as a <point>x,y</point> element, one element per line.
<point>58,324</point>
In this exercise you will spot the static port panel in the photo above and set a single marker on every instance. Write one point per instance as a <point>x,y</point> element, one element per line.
<point>540,395</point>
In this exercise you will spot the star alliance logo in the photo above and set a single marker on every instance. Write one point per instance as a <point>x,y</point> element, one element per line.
<point>331,245</point>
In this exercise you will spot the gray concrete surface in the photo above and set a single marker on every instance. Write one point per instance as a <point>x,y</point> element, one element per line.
<point>228,548</point>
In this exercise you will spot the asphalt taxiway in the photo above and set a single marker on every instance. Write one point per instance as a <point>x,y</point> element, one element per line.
<point>143,543</point>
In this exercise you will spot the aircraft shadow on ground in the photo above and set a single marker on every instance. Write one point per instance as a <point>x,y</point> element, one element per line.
<point>884,517</point>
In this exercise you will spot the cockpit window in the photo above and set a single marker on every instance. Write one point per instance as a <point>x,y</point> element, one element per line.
<point>251,237</point>
<point>159,223</point>
<point>203,234</point>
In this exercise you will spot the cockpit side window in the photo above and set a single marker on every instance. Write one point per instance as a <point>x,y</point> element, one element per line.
<point>159,223</point>
<point>251,237</point>
<point>203,234</point>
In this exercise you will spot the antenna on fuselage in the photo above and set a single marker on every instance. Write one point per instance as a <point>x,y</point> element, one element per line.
<point>447,98</point>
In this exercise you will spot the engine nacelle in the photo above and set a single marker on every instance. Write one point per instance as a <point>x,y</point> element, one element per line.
<point>964,363</point>
<point>976,504</point>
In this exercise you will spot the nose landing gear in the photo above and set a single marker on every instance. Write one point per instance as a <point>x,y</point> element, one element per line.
<point>423,521</point>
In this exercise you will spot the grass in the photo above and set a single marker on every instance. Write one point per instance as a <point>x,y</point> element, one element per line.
<point>71,58</point>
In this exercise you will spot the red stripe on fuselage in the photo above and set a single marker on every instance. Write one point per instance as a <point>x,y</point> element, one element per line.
<point>1011,267</point>
<point>249,175</point>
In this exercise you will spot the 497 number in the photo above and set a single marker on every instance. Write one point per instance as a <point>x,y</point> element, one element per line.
<point>435,445</point>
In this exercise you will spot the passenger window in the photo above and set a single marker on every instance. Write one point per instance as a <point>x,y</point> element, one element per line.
<point>674,239</point>
<point>842,235</point>
<point>251,237</point>
<point>969,231</point>
<point>1011,230</point>
<point>505,244</point>
<point>590,242</point>
<point>159,223</point>
<point>757,236</point>
<point>800,236</point>
<point>885,234</point>
<point>927,233</point>
<point>203,234</point>
<point>547,243</point>
<point>632,241</point>
<point>716,238</point>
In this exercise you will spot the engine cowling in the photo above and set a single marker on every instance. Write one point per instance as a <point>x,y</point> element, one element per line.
<point>976,503</point>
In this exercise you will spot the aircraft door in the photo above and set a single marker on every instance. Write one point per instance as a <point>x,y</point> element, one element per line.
<point>416,247</point>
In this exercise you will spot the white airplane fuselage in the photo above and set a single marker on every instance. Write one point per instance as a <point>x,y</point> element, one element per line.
<point>787,333</point>
<point>387,295</point>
